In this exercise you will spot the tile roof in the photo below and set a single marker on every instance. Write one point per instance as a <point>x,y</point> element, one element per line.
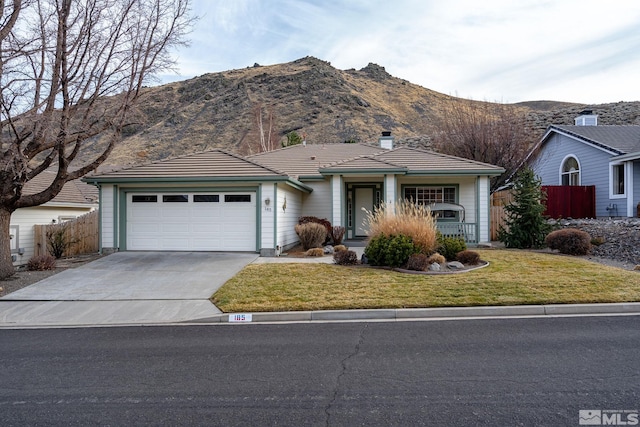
<point>621,139</point>
<point>305,160</point>
<point>73,192</point>
<point>300,161</point>
<point>208,164</point>
<point>422,161</point>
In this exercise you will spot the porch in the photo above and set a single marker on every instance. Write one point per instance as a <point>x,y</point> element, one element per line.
<point>466,230</point>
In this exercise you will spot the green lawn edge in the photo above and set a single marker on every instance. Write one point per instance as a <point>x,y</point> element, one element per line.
<point>514,277</point>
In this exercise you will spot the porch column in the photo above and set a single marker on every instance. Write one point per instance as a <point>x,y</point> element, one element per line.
<point>483,209</point>
<point>337,200</point>
<point>390,192</point>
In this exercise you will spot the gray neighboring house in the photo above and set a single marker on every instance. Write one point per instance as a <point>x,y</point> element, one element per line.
<point>219,201</point>
<point>607,157</point>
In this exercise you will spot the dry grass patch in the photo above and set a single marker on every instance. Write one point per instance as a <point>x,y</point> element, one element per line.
<point>513,278</point>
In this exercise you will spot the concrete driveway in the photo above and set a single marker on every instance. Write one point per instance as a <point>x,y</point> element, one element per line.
<point>126,288</point>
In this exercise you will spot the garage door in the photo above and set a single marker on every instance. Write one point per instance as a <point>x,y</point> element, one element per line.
<point>191,221</point>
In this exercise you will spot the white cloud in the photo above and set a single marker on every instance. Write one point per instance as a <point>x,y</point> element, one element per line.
<point>582,51</point>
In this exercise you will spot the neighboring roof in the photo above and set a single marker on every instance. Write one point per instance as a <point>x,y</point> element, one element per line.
<point>73,192</point>
<point>617,139</point>
<point>305,160</point>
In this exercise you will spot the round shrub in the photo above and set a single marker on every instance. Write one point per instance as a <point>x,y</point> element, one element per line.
<point>418,262</point>
<point>570,241</point>
<point>339,248</point>
<point>392,251</point>
<point>450,246</point>
<point>41,263</point>
<point>311,234</point>
<point>345,257</point>
<point>315,252</point>
<point>468,257</point>
<point>436,259</point>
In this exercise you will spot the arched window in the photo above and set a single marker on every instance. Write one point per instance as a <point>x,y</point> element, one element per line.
<point>570,171</point>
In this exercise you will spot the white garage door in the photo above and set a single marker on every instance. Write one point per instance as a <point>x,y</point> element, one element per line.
<point>191,221</point>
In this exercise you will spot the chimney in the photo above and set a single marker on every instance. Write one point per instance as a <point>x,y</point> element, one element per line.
<point>586,118</point>
<point>386,140</point>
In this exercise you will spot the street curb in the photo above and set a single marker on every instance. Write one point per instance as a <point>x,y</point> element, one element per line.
<point>427,313</point>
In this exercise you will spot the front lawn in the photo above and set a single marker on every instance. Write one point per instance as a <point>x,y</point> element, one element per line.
<point>512,278</point>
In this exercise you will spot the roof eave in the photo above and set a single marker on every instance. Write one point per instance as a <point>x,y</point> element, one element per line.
<point>466,172</point>
<point>182,179</point>
<point>349,171</point>
<point>626,157</point>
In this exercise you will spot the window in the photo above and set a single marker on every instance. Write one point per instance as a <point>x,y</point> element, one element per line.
<point>570,172</point>
<point>618,179</point>
<point>233,198</point>
<point>206,198</point>
<point>144,199</point>
<point>175,198</point>
<point>431,195</point>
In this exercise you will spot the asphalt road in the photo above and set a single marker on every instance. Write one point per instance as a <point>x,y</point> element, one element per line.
<point>512,372</point>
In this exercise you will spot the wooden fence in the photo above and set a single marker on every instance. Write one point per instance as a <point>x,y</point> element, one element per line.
<point>570,201</point>
<point>81,234</point>
<point>499,200</point>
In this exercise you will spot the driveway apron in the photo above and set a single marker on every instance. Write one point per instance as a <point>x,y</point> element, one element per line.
<point>126,288</point>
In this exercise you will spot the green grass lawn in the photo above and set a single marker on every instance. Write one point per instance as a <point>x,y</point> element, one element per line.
<point>512,278</point>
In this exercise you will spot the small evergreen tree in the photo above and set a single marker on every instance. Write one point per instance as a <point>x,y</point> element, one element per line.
<point>293,138</point>
<point>526,227</point>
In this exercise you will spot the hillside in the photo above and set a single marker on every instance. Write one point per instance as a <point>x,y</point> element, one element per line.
<point>311,97</point>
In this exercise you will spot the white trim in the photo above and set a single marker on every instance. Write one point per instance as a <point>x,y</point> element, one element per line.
<point>626,177</point>
<point>560,171</point>
<point>629,188</point>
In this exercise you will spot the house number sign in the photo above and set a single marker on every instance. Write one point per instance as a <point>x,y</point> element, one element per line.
<point>240,318</point>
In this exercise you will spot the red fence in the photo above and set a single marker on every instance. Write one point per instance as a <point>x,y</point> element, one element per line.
<point>570,201</point>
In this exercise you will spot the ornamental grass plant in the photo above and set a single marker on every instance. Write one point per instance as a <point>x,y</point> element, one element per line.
<point>406,219</point>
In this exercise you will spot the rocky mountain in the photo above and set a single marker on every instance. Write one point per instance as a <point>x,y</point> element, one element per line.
<point>242,110</point>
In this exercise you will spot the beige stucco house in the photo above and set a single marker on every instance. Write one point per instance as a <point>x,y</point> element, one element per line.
<point>219,201</point>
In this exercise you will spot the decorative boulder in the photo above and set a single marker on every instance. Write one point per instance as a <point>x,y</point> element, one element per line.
<point>455,265</point>
<point>328,250</point>
<point>434,267</point>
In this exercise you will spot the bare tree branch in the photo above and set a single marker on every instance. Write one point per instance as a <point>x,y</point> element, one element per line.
<point>487,132</point>
<point>70,72</point>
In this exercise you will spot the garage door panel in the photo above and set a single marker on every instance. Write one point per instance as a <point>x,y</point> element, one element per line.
<point>206,225</point>
<point>179,229</point>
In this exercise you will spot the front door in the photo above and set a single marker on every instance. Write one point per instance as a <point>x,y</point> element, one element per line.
<point>363,199</point>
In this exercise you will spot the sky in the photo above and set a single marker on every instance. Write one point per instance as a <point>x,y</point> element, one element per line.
<point>582,51</point>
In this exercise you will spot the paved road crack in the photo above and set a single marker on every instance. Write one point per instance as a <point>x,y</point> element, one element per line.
<point>343,372</point>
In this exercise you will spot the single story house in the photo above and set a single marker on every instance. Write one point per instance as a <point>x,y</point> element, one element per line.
<point>219,201</point>
<point>75,199</point>
<point>588,154</point>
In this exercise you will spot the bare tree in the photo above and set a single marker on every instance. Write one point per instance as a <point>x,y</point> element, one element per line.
<point>267,135</point>
<point>487,132</point>
<point>70,72</point>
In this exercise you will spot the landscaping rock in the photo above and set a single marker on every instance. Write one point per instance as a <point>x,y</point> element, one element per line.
<point>455,265</point>
<point>328,250</point>
<point>435,267</point>
<point>620,237</point>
